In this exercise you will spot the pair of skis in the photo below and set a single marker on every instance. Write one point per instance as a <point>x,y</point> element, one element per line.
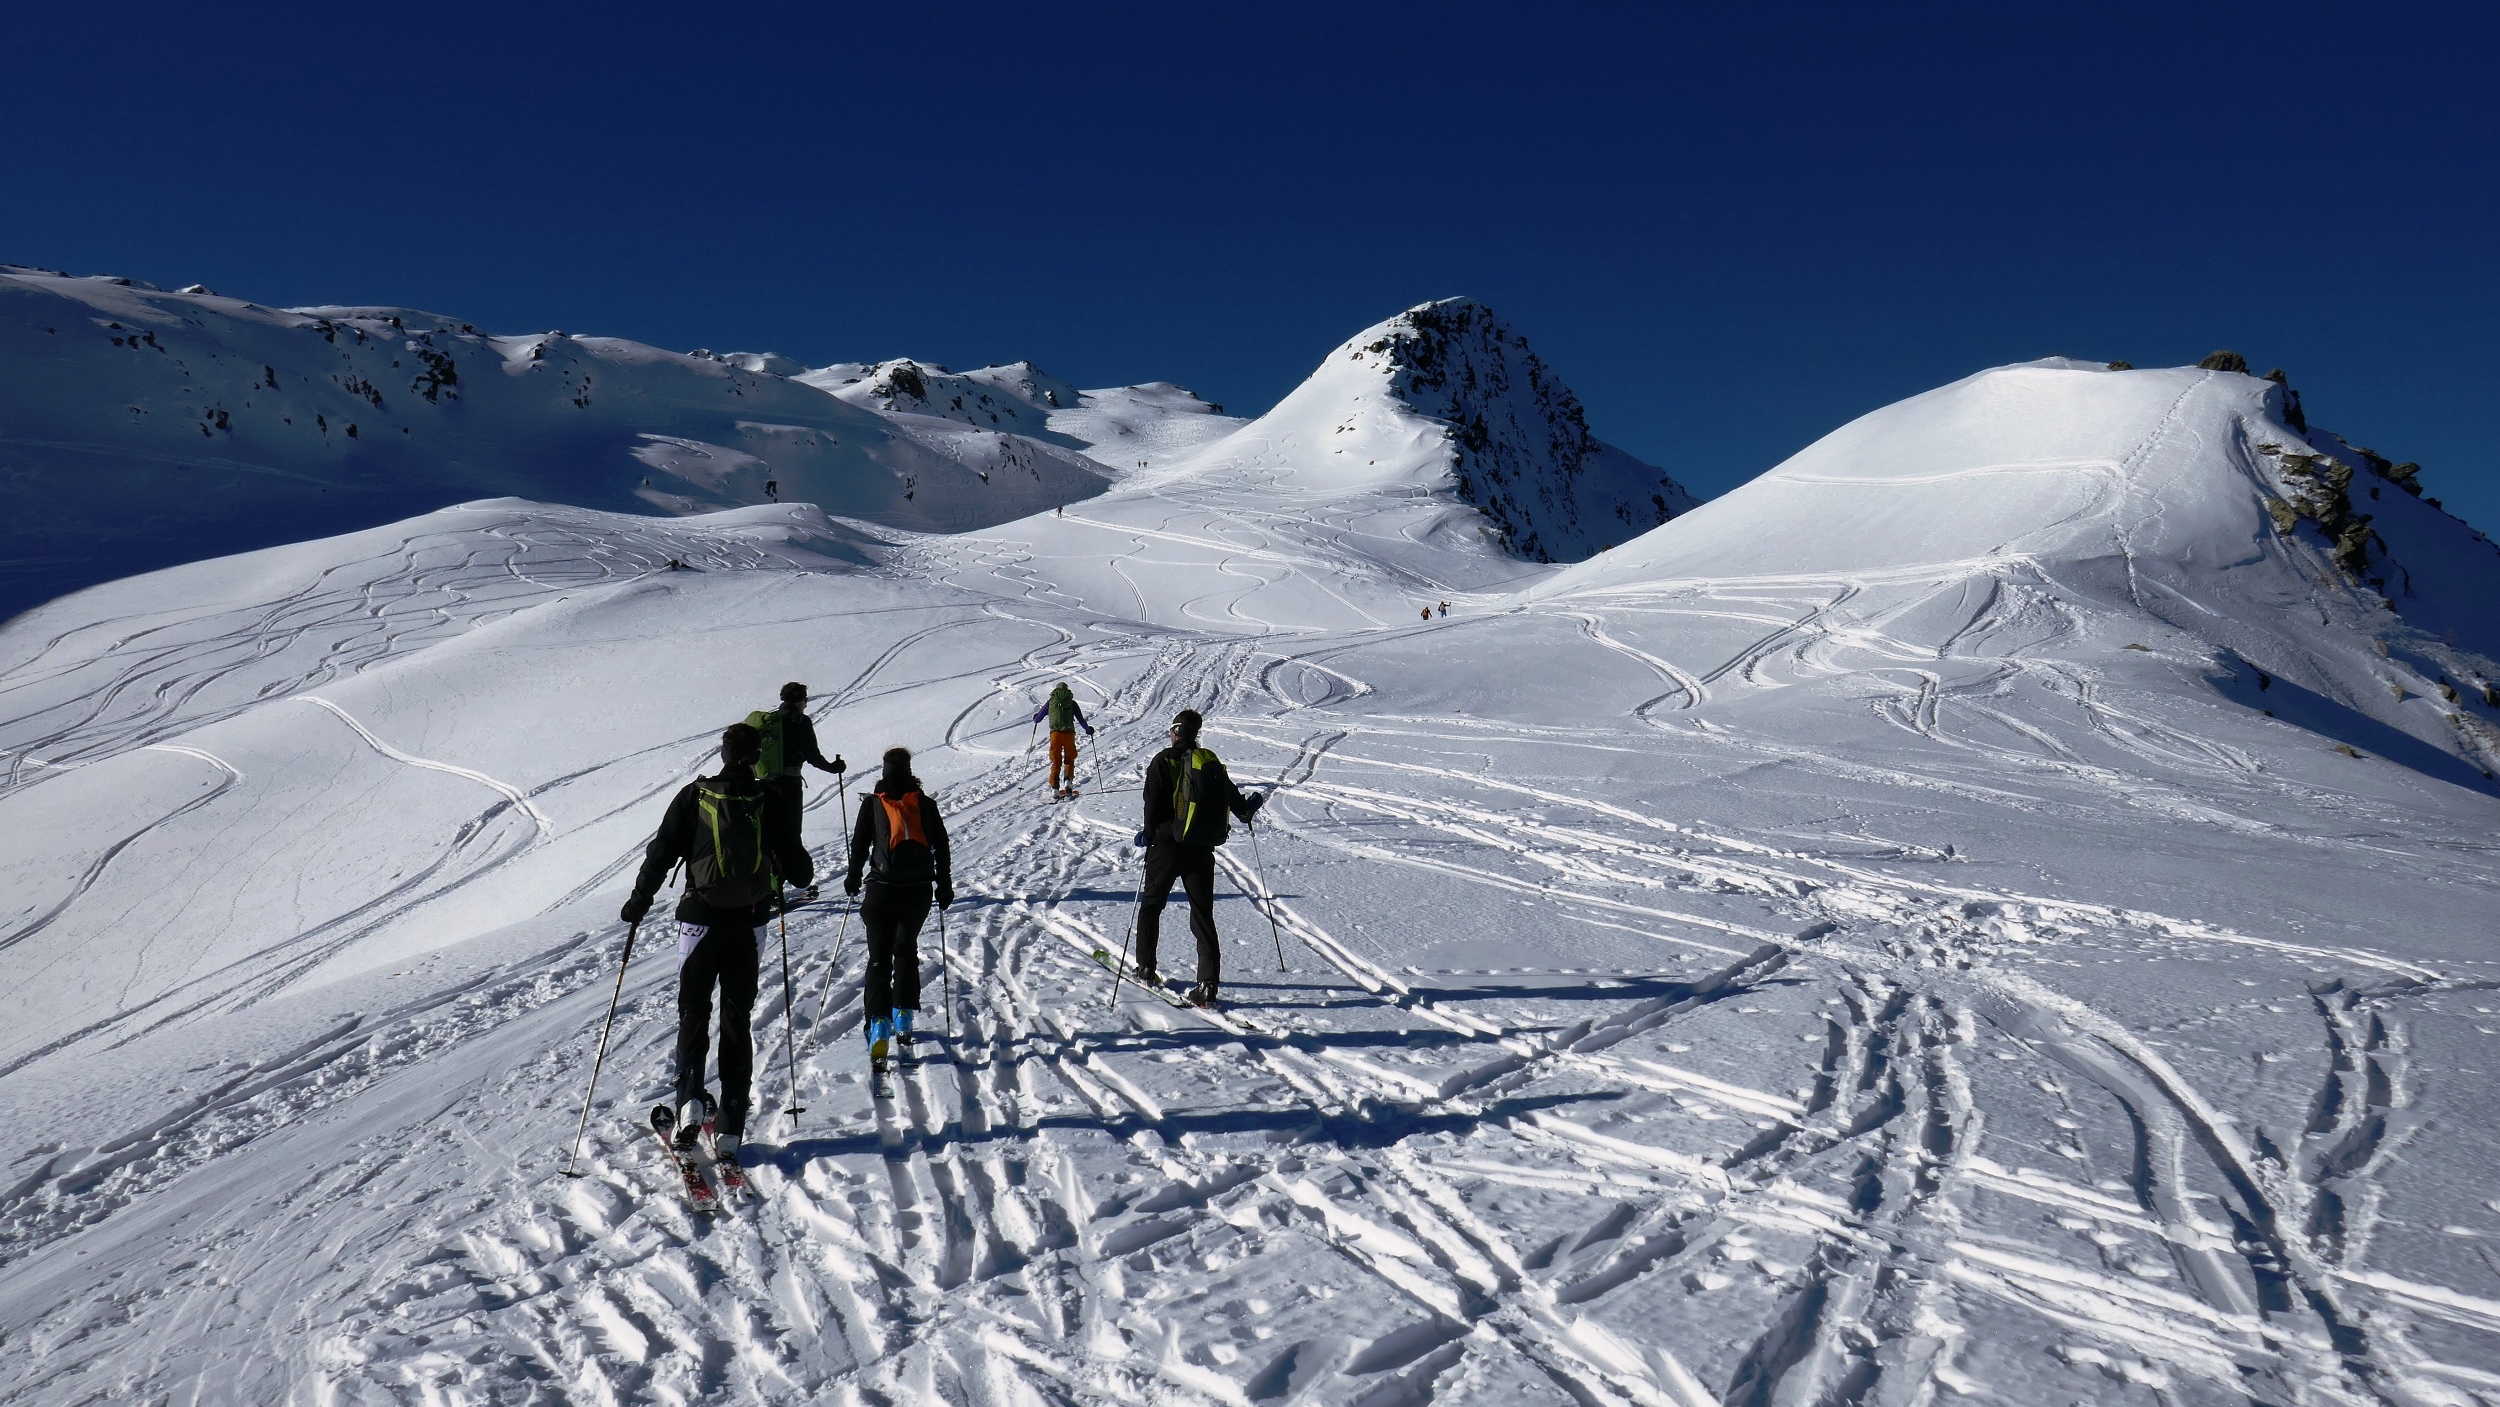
<point>698,1188</point>
<point>1129,975</point>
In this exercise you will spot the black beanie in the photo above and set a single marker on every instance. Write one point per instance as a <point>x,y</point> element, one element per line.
<point>898,778</point>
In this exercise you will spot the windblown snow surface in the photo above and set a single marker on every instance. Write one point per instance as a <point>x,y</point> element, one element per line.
<point>1994,910</point>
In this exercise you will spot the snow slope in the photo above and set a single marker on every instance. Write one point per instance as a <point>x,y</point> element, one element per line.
<point>1865,940</point>
<point>2180,497</point>
<point>139,424</point>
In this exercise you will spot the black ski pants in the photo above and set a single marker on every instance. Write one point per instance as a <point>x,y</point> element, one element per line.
<point>891,916</point>
<point>792,789</point>
<point>1194,867</point>
<point>725,957</point>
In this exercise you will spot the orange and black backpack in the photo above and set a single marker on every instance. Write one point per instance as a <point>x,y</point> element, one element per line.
<point>900,851</point>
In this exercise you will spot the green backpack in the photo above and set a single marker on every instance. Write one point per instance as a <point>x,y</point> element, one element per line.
<point>1199,810</point>
<point>768,764</point>
<point>736,872</point>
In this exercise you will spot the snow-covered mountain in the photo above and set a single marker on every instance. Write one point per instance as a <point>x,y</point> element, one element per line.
<point>1950,920</point>
<point>2307,577</point>
<point>1447,396</point>
<point>141,427</point>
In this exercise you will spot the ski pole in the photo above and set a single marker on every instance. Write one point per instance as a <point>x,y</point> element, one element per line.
<point>1258,871</point>
<point>946,975</point>
<point>602,1057</point>
<point>1136,904</point>
<point>841,784</point>
<point>789,1019</point>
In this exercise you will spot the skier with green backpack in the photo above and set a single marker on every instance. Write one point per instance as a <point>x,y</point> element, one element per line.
<point>1189,797</point>
<point>789,743</point>
<point>1066,715</point>
<point>739,843</point>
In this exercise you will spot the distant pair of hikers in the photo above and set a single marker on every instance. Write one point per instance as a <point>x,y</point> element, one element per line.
<point>737,833</point>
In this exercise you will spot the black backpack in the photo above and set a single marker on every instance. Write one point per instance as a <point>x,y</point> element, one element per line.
<point>731,867</point>
<point>1201,798</point>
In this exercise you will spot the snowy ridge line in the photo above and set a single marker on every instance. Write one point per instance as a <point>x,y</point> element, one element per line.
<point>509,792</point>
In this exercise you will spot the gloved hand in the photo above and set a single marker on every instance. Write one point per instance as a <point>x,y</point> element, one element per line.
<point>1088,727</point>
<point>635,908</point>
<point>945,895</point>
<point>1141,840</point>
<point>838,764</point>
<point>850,885</point>
<point>1251,803</point>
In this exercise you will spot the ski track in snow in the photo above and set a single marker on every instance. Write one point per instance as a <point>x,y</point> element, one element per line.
<point>1761,1142</point>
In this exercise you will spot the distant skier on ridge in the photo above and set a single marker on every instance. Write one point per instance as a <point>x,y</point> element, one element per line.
<point>900,842</point>
<point>1066,716</point>
<point>1188,794</point>
<point>739,842</point>
<point>789,742</point>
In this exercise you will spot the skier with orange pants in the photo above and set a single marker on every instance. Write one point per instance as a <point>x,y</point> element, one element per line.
<point>1065,718</point>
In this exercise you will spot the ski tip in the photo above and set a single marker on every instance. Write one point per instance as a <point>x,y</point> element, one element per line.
<point>1101,953</point>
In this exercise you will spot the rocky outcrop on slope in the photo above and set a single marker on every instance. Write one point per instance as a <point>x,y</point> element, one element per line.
<point>1523,454</point>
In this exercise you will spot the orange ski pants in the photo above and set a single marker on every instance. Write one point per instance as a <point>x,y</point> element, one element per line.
<point>1063,750</point>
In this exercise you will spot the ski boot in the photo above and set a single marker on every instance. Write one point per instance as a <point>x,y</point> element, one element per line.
<point>880,1068</point>
<point>693,1117</point>
<point>906,1044</point>
<point>1203,995</point>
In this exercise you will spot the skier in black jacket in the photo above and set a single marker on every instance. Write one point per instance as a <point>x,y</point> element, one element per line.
<point>900,841</point>
<point>739,843</point>
<point>798,749</point>
<point>1170,855</point>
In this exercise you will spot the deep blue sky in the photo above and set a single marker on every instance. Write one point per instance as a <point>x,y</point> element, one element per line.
<point>1731,229</point>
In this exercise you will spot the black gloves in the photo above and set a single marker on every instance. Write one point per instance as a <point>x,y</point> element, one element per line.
<point>850,885</point>
<point>1141,840</point>
<point>1250,805</point>
<point>945,895</point>
<point>635,908</point>
<point>838,764</point>
<point>1088,727</point>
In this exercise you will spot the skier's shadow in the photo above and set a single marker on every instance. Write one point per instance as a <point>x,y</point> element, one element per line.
<point>1124,897</point>
<point>1373,1124</point>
